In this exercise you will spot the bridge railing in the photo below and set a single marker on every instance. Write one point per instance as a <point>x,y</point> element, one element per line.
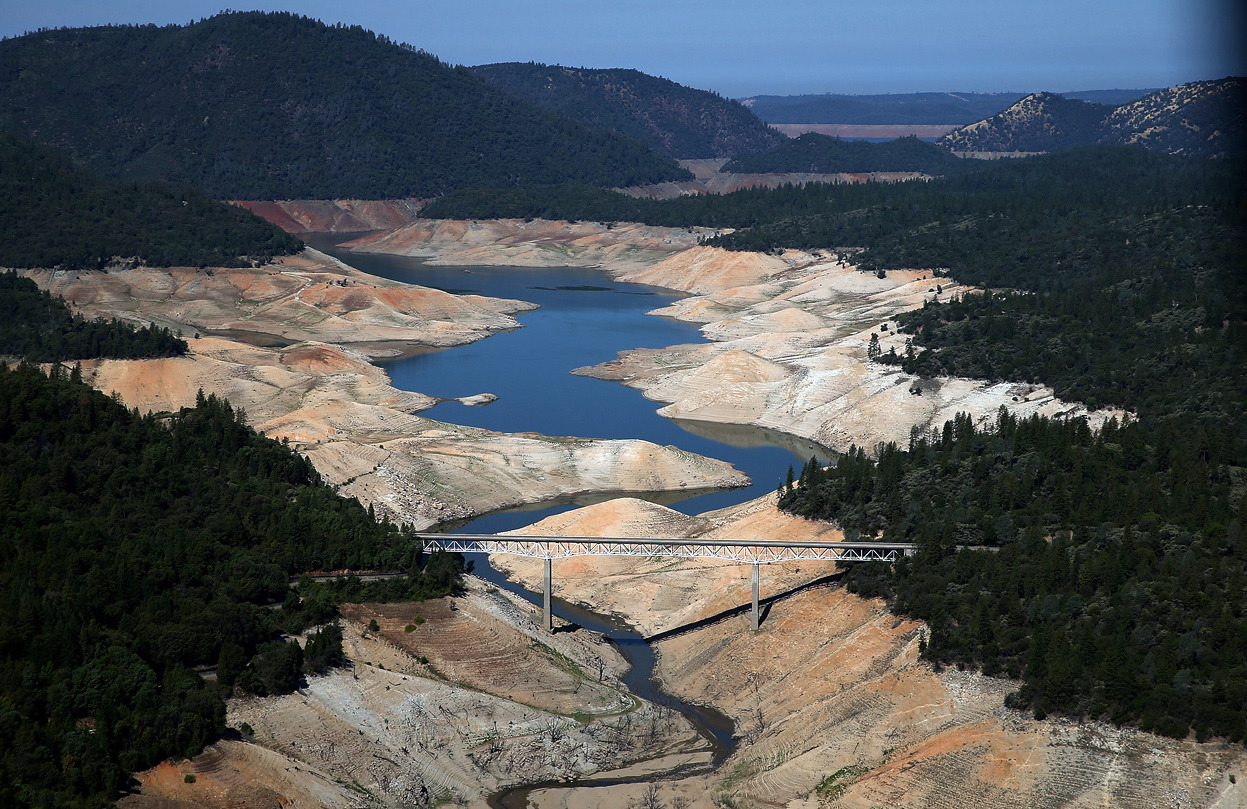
<point>749,551</point>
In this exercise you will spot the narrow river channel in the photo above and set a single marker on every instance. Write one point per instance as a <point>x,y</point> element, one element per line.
<point>585,318</point>
<point>714,727</point>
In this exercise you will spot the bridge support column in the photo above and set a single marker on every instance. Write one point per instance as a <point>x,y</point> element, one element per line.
<point>548,616</point>
<point>754,614</point>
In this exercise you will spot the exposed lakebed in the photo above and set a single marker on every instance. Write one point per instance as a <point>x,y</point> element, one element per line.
<point>585,318</point>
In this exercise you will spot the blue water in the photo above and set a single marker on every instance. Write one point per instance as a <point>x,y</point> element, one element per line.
<point>585,318</point>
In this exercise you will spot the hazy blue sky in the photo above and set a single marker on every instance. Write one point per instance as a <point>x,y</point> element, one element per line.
<point>746,47</point>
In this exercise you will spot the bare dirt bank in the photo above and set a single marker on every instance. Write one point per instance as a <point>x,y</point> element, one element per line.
<point>364,436</point>
<point>291,345</point>
<point>335,216</point>
<point>790,335</point>
<point>532,243</point>
<point>832,684</point>
<point>309,296</point>
<point>424,472</point>
<point>656,595</point>
<point>474,697</point>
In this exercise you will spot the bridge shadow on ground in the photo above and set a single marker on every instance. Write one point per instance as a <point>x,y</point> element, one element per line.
<point>764,608</point>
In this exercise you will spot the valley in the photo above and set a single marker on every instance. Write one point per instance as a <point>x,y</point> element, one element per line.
<point>280,291</point>
<point>831,685</point>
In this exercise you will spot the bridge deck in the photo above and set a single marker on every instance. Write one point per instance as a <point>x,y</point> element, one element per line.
<point>753,551</point>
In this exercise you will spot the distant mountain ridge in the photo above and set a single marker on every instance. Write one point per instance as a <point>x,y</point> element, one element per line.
<point>277,106</point>
<point>904,108</point>
<point>1202,119</point>
<point>891,108</point>
<point>679,121</point>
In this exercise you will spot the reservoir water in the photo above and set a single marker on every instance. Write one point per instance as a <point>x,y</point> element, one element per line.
<point>585,318</point>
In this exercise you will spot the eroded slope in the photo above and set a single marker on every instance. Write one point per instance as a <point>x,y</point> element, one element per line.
<point>833,684</point>
<point>299,367</point>
<point>789,351</point>
<point>474,698</point>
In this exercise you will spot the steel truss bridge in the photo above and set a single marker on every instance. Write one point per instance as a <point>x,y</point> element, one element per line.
<point>745,551</point>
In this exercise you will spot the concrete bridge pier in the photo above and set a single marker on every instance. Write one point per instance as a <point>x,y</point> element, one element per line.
<point>754,614</point>
<point>548,616</point>
<point>742,551</point>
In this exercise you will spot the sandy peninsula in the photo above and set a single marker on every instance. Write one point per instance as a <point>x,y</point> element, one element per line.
<point>291,344</point>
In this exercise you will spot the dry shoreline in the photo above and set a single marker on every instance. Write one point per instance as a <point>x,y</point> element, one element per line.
<point>831,684</point>
<point>788,333</point>
<point>292,345</point>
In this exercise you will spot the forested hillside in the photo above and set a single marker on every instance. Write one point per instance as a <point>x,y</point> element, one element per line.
<point>885,218</point>
<point>1203,119</point>
<point>136,547</point>
<point>1116,277</point>
<point>676,120</point>
<point>40,328</point>
<point>1118,587</point>
<point>53,214</point>
<point>1042,122</point>
<point>278,106</point>
<point>820,154</point>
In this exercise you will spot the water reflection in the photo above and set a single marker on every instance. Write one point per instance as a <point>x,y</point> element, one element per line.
<point>748,435</point>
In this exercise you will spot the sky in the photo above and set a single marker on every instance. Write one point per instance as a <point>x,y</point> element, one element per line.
<point>740,48</point>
